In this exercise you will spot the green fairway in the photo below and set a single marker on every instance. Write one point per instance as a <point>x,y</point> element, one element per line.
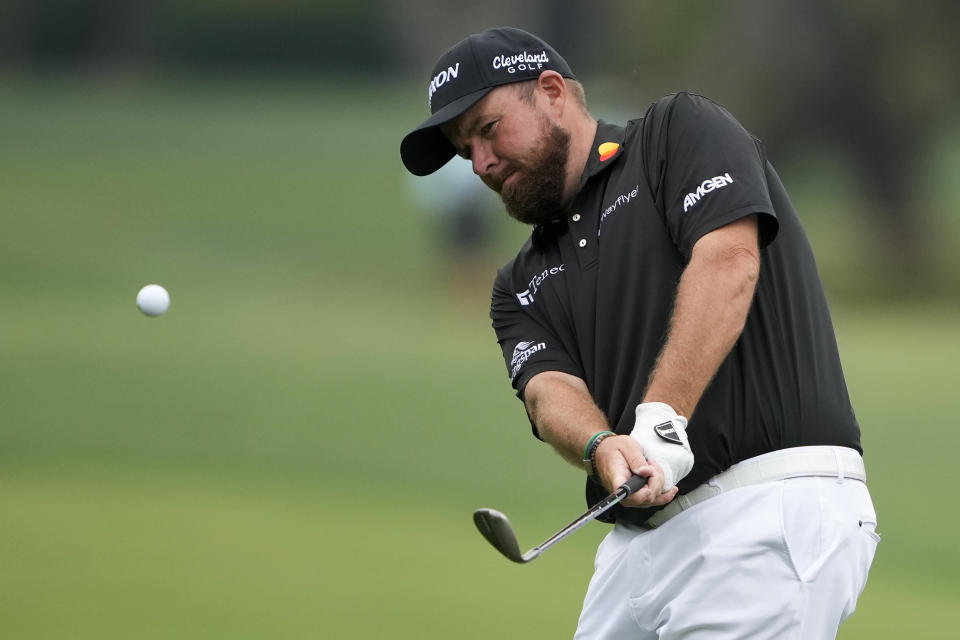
<point>295,449</point>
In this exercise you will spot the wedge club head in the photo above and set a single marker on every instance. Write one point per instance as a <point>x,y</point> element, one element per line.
<point>495,527</point>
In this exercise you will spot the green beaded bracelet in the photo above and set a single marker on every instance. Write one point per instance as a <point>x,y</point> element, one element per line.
<point>591,450</point>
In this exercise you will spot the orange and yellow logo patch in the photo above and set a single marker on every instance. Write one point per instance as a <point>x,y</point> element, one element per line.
<point>607,150</point>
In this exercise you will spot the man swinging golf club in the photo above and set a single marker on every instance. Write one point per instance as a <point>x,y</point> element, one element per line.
<point>666,320</point>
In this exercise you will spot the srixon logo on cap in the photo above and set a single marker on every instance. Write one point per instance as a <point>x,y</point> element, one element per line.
<point>442,78</point>
<point>666,431</point>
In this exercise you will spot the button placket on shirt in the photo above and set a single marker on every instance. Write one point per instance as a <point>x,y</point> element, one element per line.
<point>580,225</point>
<point>583,241</point>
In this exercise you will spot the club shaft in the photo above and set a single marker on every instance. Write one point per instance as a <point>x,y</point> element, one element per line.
<point>607,503</point>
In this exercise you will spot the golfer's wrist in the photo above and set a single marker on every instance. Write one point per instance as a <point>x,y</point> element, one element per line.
<point>590,451</point>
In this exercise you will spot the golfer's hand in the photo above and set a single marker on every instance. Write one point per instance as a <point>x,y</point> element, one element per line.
<point>618,458</point>
<point>662,435</point>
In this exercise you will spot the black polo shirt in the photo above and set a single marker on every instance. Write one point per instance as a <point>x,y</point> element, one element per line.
<point>591,292</point>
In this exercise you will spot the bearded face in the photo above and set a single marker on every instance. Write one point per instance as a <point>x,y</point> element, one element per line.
<point>532,187</point>
<point>517,150</point>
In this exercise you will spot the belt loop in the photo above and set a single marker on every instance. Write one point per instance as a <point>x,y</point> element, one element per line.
<point>836,454</point>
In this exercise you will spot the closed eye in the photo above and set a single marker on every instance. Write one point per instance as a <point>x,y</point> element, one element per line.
<point>486,131</point>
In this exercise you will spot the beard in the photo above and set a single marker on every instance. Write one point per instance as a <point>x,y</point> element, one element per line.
<point>535,195</point>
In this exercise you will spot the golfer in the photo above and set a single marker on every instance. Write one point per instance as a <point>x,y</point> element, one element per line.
<point>666,319</point>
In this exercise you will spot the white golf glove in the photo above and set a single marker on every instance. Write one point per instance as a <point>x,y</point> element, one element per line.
<point>663,436</point>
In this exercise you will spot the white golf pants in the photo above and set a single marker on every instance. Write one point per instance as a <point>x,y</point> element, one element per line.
<point>784,560</point>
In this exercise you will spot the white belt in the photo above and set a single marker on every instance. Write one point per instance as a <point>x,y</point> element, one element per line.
<point>839,462</point>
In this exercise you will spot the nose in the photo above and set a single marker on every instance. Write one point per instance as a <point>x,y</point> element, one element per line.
<point>483,158</point>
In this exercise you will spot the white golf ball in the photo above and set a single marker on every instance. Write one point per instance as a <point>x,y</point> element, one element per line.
<point>153,300</point>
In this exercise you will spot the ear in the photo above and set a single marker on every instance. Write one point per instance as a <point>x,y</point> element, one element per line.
<point>554,88</point>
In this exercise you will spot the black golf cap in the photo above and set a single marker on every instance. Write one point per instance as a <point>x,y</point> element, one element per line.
<point>463,76</point>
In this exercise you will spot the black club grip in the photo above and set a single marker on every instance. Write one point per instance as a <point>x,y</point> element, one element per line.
<point>634,483</point>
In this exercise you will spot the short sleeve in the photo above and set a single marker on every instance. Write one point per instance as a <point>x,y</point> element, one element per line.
<point>706,170</point>
<point>529,342</point>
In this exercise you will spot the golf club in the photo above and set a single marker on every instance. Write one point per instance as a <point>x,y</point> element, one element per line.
<point>496,528</point>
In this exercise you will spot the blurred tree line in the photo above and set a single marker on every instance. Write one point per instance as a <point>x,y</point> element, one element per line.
<point>194,34</point>
<point>873,81</point>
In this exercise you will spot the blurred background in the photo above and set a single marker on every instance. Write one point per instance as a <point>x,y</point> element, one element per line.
<point>295,449</point>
